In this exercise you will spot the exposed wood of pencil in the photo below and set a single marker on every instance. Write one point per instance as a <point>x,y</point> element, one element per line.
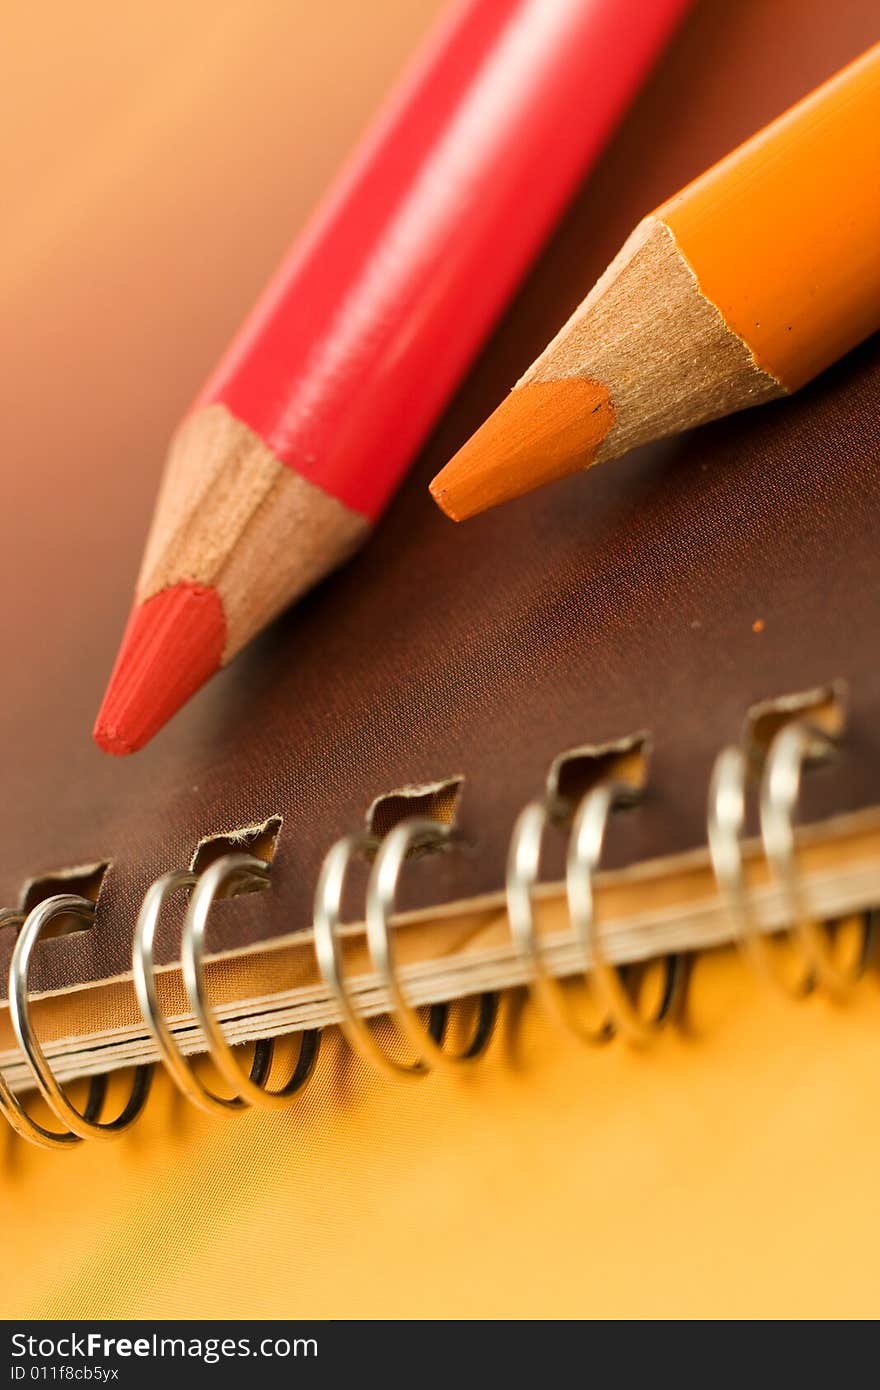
<point>230,515</point>
<point>742,287</point>
<point>236,537</point>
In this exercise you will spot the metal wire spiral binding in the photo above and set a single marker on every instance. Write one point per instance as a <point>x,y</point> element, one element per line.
<point>84,1124</point>
<point>621,1012</point>
<point>234,872</point>
<point>11,1106</point>
<point>176,1064</point>
<point>779,794</point>
<point>381,893</point>
<point>795,743</point>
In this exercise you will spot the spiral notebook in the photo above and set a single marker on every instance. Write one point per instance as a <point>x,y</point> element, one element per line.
<point>458,673</point>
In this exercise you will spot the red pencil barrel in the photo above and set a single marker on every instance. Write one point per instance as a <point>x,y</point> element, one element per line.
<point>369,324</point>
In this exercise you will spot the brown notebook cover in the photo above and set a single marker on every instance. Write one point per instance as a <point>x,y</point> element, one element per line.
<point>665,592</point>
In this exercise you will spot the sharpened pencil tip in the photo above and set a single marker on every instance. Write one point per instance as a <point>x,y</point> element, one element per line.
<point>439,494</point>
<point>543,431</point>
<point>172,644</point>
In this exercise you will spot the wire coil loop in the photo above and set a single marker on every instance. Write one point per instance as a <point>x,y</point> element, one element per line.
<point>381,893</point>
<point>621,1014</point>
<point>780,786</point>
<point>83,1124</point>
<point>180,1069</point>
<point>12,1108</point>
<point>235,872</point>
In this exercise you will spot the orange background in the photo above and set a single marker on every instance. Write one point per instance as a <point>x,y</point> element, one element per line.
<point>162,155</point>
<point>729,1172</point>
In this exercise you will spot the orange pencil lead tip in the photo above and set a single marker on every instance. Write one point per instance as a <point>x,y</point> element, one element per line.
<point>543,431</point>
<point>172,644</point>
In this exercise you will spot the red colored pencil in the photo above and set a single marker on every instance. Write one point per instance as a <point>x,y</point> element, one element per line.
<point>301,435</point>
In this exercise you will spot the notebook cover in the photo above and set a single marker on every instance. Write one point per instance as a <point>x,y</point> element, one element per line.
<point>667,591</point>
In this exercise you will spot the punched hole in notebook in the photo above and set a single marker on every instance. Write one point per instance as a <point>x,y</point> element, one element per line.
<point>260,840</point>
<point>81,880</point>
<point>579,770</point>
<point>822,708</point>
<point>432,801</point>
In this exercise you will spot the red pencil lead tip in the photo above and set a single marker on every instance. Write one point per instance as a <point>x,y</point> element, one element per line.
<point>172,644</point>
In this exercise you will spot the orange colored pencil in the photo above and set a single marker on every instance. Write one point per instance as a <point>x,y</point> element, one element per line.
<point>739,289</point>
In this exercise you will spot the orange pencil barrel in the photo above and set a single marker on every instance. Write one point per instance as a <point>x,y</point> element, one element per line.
<point>783,234</point>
